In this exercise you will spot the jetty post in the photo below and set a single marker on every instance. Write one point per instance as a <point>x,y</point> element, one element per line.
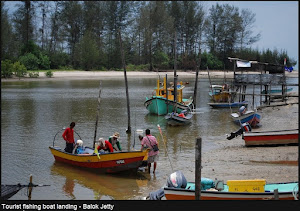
<point>198,168</point>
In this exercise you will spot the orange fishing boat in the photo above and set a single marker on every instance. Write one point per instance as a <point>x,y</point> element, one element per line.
<point>107,163</point>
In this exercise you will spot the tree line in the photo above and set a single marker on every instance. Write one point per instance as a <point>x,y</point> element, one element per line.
<point>85,35</point>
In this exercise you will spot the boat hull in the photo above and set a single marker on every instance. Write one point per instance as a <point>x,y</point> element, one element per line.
<point>176,120</point>
<point>161,106</point>
<point>228,105</point>
<point>108,163</point>
<point>271,138</point>
<point>186,194</point>
<point>251,117</point>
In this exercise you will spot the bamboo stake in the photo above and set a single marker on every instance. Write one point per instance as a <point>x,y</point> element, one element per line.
<point>98,111</point>
<point>30,187</point>
<point>165,146</point>
<point>126,83</point>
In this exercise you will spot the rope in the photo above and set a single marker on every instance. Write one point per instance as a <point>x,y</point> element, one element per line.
<point>165,147</point>
<point>295,191</point>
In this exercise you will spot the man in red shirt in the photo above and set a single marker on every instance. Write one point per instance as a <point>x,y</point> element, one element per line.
<point>68,136</point>
<point>105,145</point>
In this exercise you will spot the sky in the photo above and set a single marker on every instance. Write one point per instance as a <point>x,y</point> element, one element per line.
<point>276,21</point>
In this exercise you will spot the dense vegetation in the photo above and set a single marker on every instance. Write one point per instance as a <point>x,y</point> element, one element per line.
<point>84,35</point>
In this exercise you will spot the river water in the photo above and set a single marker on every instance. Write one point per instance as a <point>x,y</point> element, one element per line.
<point>32,112</point>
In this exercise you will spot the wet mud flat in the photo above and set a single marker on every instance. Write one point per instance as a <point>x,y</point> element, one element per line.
<point>233,160</point>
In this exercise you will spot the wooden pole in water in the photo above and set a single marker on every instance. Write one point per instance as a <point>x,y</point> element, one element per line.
<point>30,187</point>
<point>98,111</point>
<point>166,84</point>
<point>126,83</point>
<point>198,168</point>
<point>196,82</point>
<point>175,74</point>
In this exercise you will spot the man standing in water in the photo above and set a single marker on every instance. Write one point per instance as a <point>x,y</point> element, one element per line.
<point>149,141</point>
<point>68,136</point>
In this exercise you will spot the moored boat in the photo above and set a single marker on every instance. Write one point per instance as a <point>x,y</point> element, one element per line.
<point>107,163</point>
<point>161,103</point>
<point>228,105</point>
<point>176,119</point>
<point>286,191</point>
<point>280,137</point>
<point>274,91</point>
<point>221,93</point>
<point>177,188</point>
<point>244,115</point>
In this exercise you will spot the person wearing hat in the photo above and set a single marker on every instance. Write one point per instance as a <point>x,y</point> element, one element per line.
<point>114,141</point>
<point>78,149</point>
<point>105,145</point>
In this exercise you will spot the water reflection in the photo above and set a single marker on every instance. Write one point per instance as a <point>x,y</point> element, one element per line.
<point>118,186</point>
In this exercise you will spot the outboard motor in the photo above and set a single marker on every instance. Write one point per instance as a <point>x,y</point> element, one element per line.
<point>175,180</point>
<point>244,128</point>
<point>242,110</point>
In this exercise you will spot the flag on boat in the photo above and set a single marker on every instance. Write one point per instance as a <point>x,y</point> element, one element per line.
<point>289,69</point>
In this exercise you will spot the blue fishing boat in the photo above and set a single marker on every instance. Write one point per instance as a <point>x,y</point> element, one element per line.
<point>244,115</point>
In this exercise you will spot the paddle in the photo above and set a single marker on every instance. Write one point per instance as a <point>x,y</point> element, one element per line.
<point>96,151</point>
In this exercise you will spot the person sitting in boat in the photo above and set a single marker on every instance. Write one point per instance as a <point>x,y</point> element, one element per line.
<point>182,113</point>
<point>104,145</point>
<point>115,142</point>
<point>79,148</point>
<point>225,87</point>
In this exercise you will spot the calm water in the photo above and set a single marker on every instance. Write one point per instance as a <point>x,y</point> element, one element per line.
<point>32,112</point>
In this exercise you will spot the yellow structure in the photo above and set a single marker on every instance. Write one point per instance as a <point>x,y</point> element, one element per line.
<point>256,185</point>
<point>161,91</point>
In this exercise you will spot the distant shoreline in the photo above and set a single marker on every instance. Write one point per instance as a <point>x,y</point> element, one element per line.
<point>96,75</point>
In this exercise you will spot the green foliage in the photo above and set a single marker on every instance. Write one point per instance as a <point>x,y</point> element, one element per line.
<point>210,61</point>
<point>30,47</point>
<point>142,67</point>
<point>19,69</point>
<point>49,73</point>
<point>86,52</point>
<point>59,60</point>
<point>84,35</point>
<point>44,63</point>
<point>34,74</point>
<point>160,60</point>
<point>30,61</point>
<point>6,68</point>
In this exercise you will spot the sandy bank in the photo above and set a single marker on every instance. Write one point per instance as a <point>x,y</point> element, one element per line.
<point>96,75</point>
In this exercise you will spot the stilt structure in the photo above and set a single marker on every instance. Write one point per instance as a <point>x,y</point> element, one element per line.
<point>265,75</point>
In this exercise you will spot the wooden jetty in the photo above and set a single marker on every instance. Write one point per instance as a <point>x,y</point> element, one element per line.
<point>265,75</point>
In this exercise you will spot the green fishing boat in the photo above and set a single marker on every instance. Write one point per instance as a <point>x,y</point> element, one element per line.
<point>161,103</point>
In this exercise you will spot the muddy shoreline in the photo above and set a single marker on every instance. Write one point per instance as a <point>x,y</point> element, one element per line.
<point>233,160</point>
